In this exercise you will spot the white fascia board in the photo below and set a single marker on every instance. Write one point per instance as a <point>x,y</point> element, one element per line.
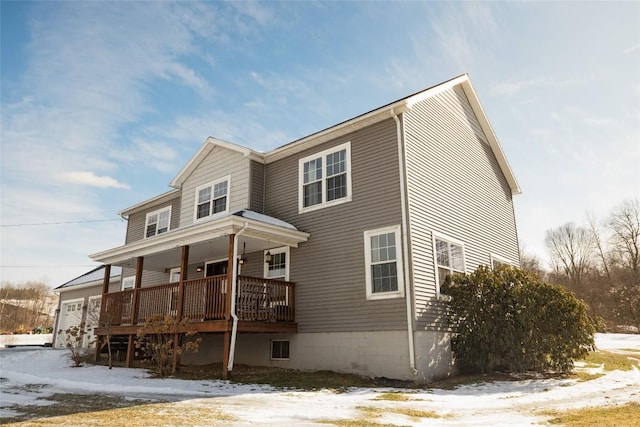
<point>209,144</point>
<point>435,90</point>
<point>113,280</point>
<point>491,136</point>
<point>336,131</point>
<point>154,200</point>
<point>198,233</point>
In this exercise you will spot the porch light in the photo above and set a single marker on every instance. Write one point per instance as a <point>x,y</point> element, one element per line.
<point>267,257</point>
<point>200,268</point>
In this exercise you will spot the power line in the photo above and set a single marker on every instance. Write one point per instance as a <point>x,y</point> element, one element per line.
<point>59,223</point>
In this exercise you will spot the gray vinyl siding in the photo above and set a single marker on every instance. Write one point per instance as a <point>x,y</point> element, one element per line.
<point>85,293</point>
<point>257,187</point>
<point>329,269</point>
<point>137,220</point>
<point>455,187</point>
<point>149,277</point>
<point>219,163</point>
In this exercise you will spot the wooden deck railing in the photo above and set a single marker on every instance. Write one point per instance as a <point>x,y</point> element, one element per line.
<point>203,299</point>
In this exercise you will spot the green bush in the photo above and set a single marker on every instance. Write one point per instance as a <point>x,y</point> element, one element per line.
<point>508,320</point>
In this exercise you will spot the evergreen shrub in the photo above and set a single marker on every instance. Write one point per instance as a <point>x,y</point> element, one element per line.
<point>508,320</point>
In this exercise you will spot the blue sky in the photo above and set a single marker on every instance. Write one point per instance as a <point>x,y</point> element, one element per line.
<point>104,102</point>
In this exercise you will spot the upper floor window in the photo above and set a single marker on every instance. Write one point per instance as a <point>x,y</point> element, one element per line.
<point>383,257</point>
<point>449,257</point>
<point>325,178</point>
<point>157,222</point>
<point>212,198</point>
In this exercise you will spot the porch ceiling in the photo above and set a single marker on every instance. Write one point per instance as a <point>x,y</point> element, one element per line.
<point>207,240</point>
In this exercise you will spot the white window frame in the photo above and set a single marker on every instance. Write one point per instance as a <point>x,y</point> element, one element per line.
<point>443,237</point>
<point>212,185</point>
<point>499,259</point>
<point>128,283</point>
<point>157,212</point>
<point>287,261</point>
<point>399,263</point>
<point>172,272</point>
<point>271,350</point>
<point>323,155</point>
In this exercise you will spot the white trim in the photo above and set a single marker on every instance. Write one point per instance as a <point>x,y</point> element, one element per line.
<point>443,237</point>
<point>132,279</point>
<point>165,197</point>
<point>212,184</point>
<point>500,259</point>
<point>157,212</point>
<point>213,261</point>
<point>406,226</point>
<point>287,261</point>
<point>398,260</point>
<point>173,271</point>
<point>207,146</point>
<point>323,155</point>
<point>204,231</point>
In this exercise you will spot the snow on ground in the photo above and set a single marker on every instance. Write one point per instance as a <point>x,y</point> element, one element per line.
<point>501,403</point>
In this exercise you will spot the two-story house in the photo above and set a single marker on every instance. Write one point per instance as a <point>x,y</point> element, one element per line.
<point>327,252</point>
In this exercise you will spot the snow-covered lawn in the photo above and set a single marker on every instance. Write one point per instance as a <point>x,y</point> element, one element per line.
<point>29,374</point>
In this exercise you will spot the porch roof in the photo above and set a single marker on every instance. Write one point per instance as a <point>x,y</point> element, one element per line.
<point>165,247</point>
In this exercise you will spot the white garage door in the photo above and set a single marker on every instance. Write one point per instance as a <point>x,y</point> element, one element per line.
<point>70,315</point>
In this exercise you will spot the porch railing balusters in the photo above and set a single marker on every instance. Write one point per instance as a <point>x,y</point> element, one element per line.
<point>204,299</point>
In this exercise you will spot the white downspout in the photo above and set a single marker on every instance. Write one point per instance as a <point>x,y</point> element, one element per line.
<point>405,243</point>
<point>234,280</point>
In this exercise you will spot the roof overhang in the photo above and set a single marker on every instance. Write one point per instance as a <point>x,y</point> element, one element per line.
<point>209,144</point>
<point>201,233</point>
<point>399,107</point>
<point>162,198</point>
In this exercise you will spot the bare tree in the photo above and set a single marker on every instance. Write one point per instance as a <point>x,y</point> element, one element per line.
<point>571,251</point>
<point>624,224</point>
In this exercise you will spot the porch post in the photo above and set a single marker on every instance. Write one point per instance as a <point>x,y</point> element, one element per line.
<point>184,262</point>
<point>134,310</point>
<point>227,310</point>
<point>105,290</point>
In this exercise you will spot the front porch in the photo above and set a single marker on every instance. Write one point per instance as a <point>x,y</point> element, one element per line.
<point>261,305</point>
<point>223,299</point>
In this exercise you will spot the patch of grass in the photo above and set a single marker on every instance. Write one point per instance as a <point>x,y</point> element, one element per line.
<point>612,361</point>
<point>373,412</point>
<point>101,410</point>
<point>393,396</point>
<point>288,378</point>
<point>619,416</point>
<point>582,376</point>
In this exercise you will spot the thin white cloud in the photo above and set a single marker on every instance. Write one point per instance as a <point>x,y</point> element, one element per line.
<point>90,179</point>
<point>631,49</point>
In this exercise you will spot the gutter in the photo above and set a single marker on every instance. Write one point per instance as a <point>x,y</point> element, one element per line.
<point>405,242</point>
<point>234,315</point>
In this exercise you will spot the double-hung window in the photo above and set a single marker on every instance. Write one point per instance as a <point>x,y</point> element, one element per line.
<point>212,198</point>
<point>383,257</point>
<point>449,257</point>
<point>276,267</point>
<point>157,222</point>
<point>325,178</point>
